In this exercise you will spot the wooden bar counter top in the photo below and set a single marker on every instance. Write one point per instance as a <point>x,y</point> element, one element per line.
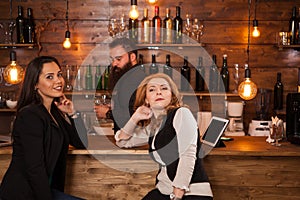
<point>247,168</point>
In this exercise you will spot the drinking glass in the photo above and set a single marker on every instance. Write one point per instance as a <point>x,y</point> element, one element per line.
<point>122,25</point>
<point>188,26</point>
<point>197,30</point>
<point>276,133</point>
<point>113,27</point>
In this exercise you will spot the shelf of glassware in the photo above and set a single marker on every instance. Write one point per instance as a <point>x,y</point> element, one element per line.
<point>29,46</point>
<point>178,46</point>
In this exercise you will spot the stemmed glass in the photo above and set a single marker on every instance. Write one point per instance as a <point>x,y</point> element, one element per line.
<point>122,25</point>
<point>113,27</point>
<point>188,26</point>
<point>197,30</point>
<point>104,100</point>
<point>276,133</point>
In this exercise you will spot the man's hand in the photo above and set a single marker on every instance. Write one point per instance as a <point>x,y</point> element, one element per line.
<point>101,110</point>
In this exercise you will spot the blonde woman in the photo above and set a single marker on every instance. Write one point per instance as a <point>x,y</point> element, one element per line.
<point>170,129</point>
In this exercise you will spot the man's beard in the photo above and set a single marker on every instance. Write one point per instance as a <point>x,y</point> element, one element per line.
<point>116,73</point>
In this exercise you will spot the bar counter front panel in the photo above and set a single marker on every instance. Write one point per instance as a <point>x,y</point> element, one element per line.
<point>247,168</point>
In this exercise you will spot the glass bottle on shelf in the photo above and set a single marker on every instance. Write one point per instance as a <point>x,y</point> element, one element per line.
<point>156,24</point>
<point>98,78</point>
<point>168,68</point>
<point>185,75</point>
<point>29,34</point>
<point>293,27</point>
<point>141,62</point>
<point>20,25</point>
<point>133,26</point>
<point>278,93</point>
<point>68,85</point>
<point>106,78</point>
<point>153,67</point>
<point>213,75</point>
<point>200,74</point>
<point>88,78</point>
<point>224,75</point>
<point>145,28</point>
<point>236,78</point>
<point>167,28</point>
<point>177,26</point>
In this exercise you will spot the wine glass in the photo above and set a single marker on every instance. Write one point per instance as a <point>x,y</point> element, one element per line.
<point>197,30</point>
<point>122,25</point>
<point>276,133</point>
<point>188,26</point>
<point>113,27</point>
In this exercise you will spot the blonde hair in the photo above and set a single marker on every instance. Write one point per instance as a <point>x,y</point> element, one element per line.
<point>176,99</point>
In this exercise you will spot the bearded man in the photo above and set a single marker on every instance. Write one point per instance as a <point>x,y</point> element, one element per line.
<point>124,77</point>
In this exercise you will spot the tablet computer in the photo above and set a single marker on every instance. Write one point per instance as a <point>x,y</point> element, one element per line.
<point>214,131</point>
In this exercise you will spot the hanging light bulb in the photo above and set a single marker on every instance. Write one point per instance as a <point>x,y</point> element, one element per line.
<point>152,1</point>
<point>67,43</point>
<point>247,89</point>
<point>13,73</point>
<point>133,13</point>
<point>255,32</point>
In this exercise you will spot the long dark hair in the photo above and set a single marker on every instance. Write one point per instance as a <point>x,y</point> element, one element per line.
<point>28,94</point>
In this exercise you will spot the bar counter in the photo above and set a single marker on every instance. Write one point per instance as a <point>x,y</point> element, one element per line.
<point>247,168</point>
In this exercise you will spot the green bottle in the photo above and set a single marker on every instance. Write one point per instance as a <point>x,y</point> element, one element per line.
<point>106,77</point>
<point>98,78</point>
<point>88,78</point>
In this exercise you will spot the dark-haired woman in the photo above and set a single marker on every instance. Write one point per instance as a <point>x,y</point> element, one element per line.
<point>46,124</point>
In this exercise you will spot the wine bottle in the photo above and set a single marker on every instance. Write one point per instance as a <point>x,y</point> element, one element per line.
<point>145,28</point>
<point>293,27</point>
<point>88,78</point>
<point>168,68</point>
<point>185,75</point>
<point>224,75</point>
<point>298,25</point>
<point>177,26</point>
<point>213,75</point>
<point>156,24</point>
<point>98,78</point>
<point>20,25</point>
<point>200,74</point>
<point>278,93</point>
<point>167,28</point>
<point>29,34</point>
<point>141,62</point>
<point>153,67</point>
<point>106,78</point>
<point>133,26</point>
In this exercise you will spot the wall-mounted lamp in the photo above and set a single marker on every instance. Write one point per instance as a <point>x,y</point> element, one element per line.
<point>133,13</point>
<point>13,73</point>
<point>247,90</point>
<point>255,32</point>
<point>67,43</point>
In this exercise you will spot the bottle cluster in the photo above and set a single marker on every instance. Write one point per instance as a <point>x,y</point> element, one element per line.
<point>25,27</point>
<point>86,77</point>
<point>218,80</point>
<point>157,30</point>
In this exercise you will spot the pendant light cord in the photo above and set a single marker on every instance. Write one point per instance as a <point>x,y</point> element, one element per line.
<point>248,44</point>
<point>67,15</point>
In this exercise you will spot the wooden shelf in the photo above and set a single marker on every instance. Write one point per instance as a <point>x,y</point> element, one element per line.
<point>178,46</point>
<point>295,47</point>
<point>7,110</point>
<point>29,46</point>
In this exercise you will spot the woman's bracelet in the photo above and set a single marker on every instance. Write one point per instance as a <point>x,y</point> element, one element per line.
<point>74,115</point>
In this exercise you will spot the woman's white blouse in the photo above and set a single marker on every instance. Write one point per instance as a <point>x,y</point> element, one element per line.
<point>185,126</point>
